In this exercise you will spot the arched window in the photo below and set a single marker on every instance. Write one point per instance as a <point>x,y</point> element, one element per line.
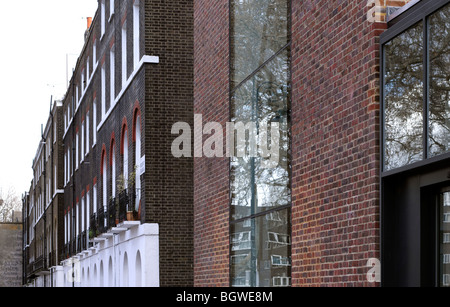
<point>113,167</point>
<point>104,186</point>
<point>124,152</point>
<point>137,139</point>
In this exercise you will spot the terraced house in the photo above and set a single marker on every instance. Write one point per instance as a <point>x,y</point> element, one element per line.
<point>354,190</point>
<point>127,201</point>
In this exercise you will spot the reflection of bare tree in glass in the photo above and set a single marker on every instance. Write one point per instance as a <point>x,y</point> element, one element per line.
<point>439,53</point>
<point>404,98</point>
<point>260,30</point>
<point>262,99</point>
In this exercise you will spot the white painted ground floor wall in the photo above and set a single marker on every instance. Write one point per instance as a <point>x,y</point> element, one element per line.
<point>127,256</point>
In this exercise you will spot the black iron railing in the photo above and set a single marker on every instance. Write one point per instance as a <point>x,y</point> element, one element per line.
<point>101,220</point>
<point>93,230</point>
<point>123,205</point>
<point>112,213</point>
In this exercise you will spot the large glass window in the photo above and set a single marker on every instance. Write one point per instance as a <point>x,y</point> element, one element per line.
<point>404,98</point>
<point>417,92</point>
<point>439,86</point>
<point>260,182</point>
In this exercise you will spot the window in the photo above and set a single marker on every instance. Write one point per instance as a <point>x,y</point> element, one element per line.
<point>77,145</point>
<point>124,55</point>
<point>83,208</point>
<point>95,199</point>
<point>94,123</point>
<point>136,33</point>
<point>103,17</point>
<point>111,8</point>
<point>77,96</point>
<point>125,157</point>
<point>83,82</point>
<point>82,141</point>
<point>260,188</point>
<point>103,76</point>
<point>416,91</point>
<point>77,221</point>
<point>87,70</point>
<point>113,76</point>
<point>113,170</point>
<point>88,209</point>
<point>94,56</point>
<point>404,99</point>
<point>138,161</point>
<point>104,181</point>
<point>65,168</point>
<point>87,133</point>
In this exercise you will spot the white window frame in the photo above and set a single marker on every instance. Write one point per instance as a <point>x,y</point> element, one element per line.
<point>125,158</point>
<point>136,33</point>
<point>87,133</point>
<point>113,171</point>
<point>82,142</point>
<point>77,154</point>
<point>103,18</point>
<point>124,55</point>
<point>94,123</point>
<point>112,76</point>
<point>111,9</point>
<point>103,89</point>
<point>82,214</point>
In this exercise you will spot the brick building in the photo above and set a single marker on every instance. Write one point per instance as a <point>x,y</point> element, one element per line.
<point>128,201</point>
<point>11,254</point>
<point>326,213</point>
<point>43,205</point>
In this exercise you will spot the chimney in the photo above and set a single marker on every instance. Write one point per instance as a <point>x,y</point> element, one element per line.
<point>89,22</point>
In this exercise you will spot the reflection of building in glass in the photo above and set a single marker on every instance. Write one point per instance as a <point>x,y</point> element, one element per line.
<point>445,237</point>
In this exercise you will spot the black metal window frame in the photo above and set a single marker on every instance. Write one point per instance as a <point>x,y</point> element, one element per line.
<point>420,12</point>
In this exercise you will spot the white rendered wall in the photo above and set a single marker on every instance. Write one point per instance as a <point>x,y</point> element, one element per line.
<point>134,258</point>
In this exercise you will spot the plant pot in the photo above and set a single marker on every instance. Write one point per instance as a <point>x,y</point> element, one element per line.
<point>130,216</point>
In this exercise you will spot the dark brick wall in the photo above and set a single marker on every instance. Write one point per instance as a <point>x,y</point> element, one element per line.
<point>168,188</point>
<point>211,180</point>
<point>164,95</point>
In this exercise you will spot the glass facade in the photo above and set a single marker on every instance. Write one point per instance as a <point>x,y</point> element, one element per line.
<point>439,82</point>
<point>260,191</point>
<point>416,92</point>
<point>404,98</point>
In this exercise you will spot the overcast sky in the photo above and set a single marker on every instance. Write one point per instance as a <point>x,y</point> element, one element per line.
<point>36,36</point>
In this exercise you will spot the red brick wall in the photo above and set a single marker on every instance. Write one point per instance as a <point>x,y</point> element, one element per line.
<point>335,143</point>
<point>335,139</point>
<point>211,176</point>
